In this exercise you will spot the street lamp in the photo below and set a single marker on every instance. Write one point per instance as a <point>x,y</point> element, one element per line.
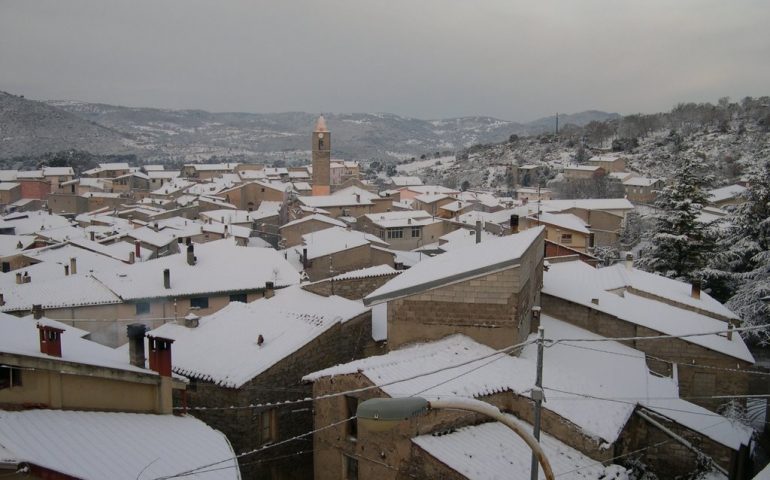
<point>379,414</point>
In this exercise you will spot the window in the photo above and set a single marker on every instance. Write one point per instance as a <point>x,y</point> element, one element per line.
<point>395,233</point>
<point>320,144</point>
<point>9,377</point>
<point>199,302</point>
<point>142,308</point>
<point>382,234</point>
<point>351,405</point>
<point>267,426</point>
<point>351,468</point>
<point>566,238</point>
<point>238,297</point>
<point>416,232</point>
<point>6,267</point>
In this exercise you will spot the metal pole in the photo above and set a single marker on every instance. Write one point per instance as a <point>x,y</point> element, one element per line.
<point>473,405</point>
<point>537,396</point>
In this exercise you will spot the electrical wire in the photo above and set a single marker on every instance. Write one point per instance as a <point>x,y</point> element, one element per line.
<point>654,337</point>
<point>197,470</point>
<point>364,389</point>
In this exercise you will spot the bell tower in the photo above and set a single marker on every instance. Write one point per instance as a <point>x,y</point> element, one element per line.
<point>322,156</point>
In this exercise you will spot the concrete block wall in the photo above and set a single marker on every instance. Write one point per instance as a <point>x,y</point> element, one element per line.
<point>283,381</point>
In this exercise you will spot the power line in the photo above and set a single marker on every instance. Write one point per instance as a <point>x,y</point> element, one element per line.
<point>197,470</point>
<point>364,389</point>
<point>655,337</point>
<point>690,365</point>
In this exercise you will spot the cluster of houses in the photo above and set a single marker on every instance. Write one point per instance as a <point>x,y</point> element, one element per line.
<point>225,321</point>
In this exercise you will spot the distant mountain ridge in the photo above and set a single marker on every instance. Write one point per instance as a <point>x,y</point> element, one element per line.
<point>196,135</point>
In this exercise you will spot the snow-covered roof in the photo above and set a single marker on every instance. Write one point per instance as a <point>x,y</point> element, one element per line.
<point>71,291</point>
<point>354,190</point>
<point>53,259</point>
<point>212,167</point>
<point>462,237</point>
<point>32,222</point>
<point>13,244</point>
<point>317,217</point>
<point>20,336</point>
<point>120,446</point>
<point>114,166</point>
<point>230,216</point>
<point>8,185</point>
<point>335,239</point>
<point>564,220</point>
<point>613,372</point>
<point>726,193</point>
<point>221,266</point>
<point>223,348</point>
<point>405,181</point>
<point>582,168</point>
<point>618,276</point>
<point>431,197</point>
<point>457,265</point>
<point>404,218</point>
<point>326,201</point>
<point>580,283</point>
<point>376,271</point>
<point>486,451</point>
<point>163,174</point>
<point>587,203</point>
<point>497,218</point>
<point>432,189</point>
<point>640,182</point>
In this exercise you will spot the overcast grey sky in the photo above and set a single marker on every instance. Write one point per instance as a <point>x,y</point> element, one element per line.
<point>511,59</point>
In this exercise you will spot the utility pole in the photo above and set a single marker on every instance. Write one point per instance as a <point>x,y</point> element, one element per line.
<point>537,392</point>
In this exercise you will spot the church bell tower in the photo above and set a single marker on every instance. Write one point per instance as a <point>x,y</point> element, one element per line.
<point>322,156</point>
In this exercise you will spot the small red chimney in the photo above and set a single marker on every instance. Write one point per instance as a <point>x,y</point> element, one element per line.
<point>160,355</point>
<point>138,249</point>
<point>50,340</point>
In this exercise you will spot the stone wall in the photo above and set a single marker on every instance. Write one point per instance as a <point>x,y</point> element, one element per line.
<point>493,309</point>
<point>340,344</point>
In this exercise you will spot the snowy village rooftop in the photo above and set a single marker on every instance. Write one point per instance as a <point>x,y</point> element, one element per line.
<point>221,266</point>
<point>223,347</point>
<point>120,446</point>
<point>607,290</point>
<point>20,336</point>
<point>579,380</point>
<point>457,265</point>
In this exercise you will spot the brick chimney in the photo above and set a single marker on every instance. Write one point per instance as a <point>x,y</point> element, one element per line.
<point>304,258</point>
<point>137,249</point>
<point>695,291</point>
<point>166,278</point>
<point>19,280</point>
<point>514,222</point>
<point>37,312</point>
<point>73,266</point>
<point>191,254</point>
<point>160,355</point>
<point>478,231</point>
<point>269,289</point>
<point>92,235</point>
<point>50,340</point>
<point>136,333</point>
<point>629,261</point>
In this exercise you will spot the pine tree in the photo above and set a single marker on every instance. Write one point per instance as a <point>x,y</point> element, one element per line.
<point>742,264</point>
<point>680,244</point>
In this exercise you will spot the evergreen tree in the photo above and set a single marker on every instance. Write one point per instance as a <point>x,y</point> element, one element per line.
<point>680,244</point>
<point>741,268</point>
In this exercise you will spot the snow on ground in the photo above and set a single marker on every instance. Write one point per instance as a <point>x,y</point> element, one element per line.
<point>438,163</point>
